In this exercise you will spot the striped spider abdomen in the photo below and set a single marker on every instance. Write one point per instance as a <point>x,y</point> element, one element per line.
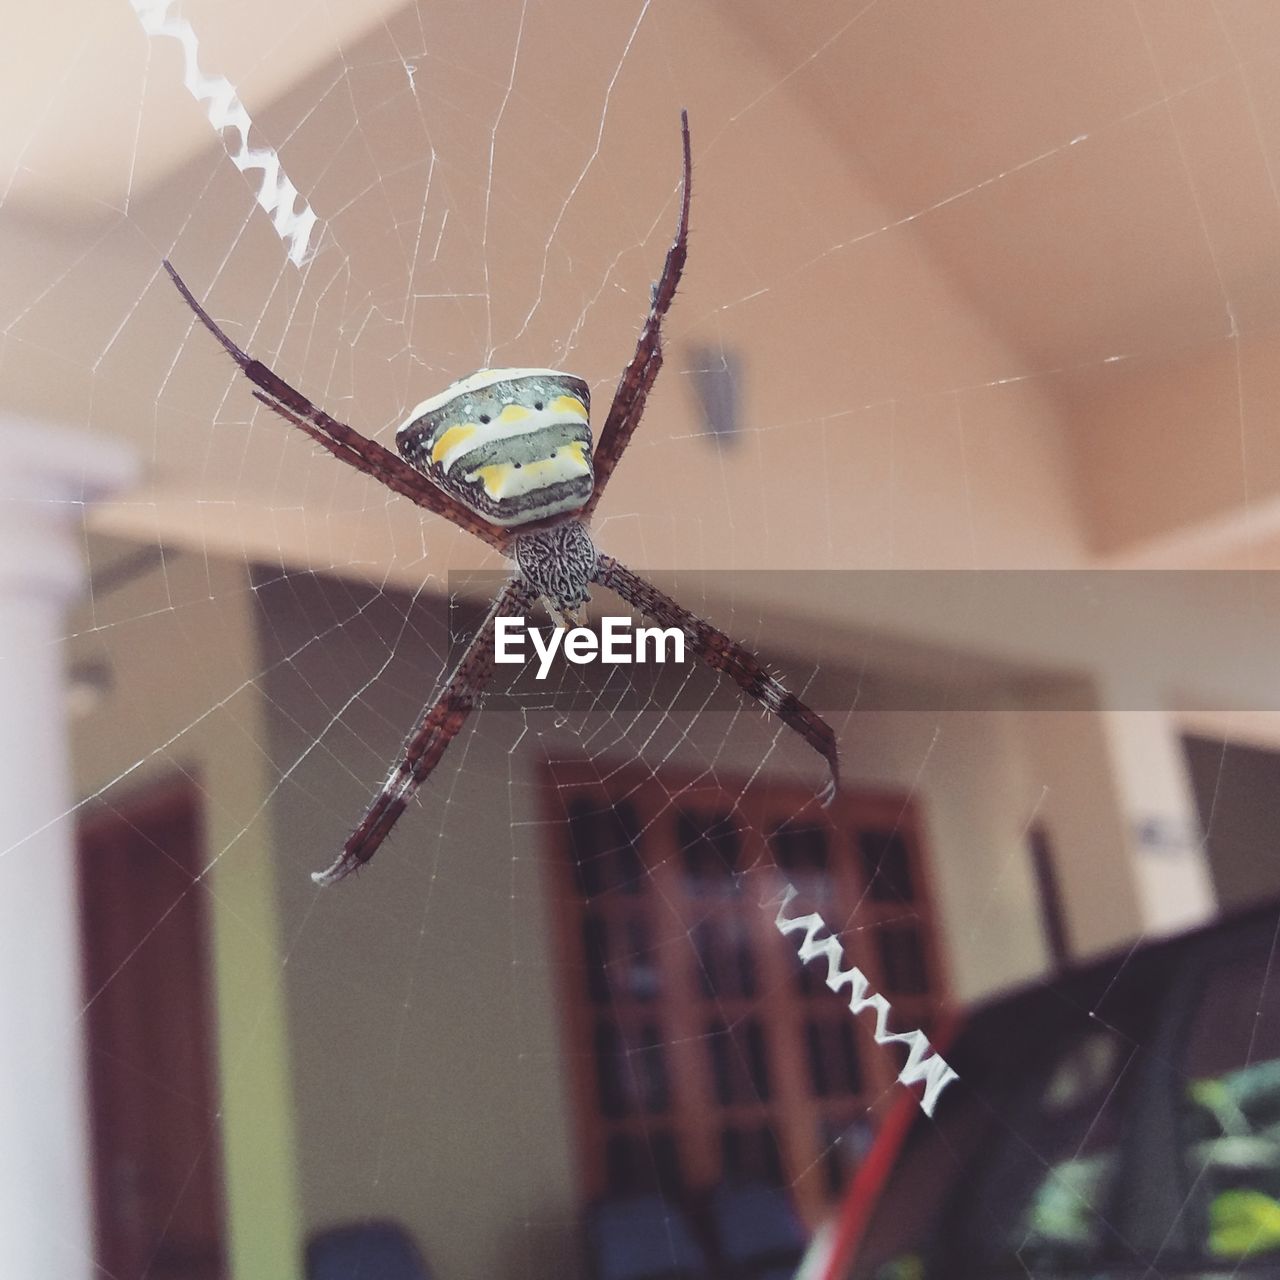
<point>512,445</point>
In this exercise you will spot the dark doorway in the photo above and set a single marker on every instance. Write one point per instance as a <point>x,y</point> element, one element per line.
<point>157,1155</point>
<point>1237,790</point>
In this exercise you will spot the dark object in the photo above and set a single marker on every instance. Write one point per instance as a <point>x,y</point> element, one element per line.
<point>760,1236</point>
<point>365,1251</point>
<point>1122,1119</point>
<point>525,517</point>
<point>157,1149</point>
<point>716,375</point>
<point>1053,916</point>
<point>643,1238</point>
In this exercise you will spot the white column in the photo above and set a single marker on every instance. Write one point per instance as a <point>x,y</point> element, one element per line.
<point>47,476</point>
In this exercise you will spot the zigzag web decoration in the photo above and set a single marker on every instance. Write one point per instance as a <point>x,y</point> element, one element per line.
<point>277,195</point>
<point>923,1064</point>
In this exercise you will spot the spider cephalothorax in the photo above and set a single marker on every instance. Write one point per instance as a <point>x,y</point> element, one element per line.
<point>559,563</point>
<point>507,450</point>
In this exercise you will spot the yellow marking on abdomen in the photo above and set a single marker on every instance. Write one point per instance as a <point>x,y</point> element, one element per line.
<point>569,404</point>
<point>493,477</point>
<point>501,478</point>
<point>505,480</point>
<point>454,436</point>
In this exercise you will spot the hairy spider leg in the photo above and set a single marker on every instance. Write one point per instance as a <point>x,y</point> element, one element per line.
<point>344,442</point>
<point>717,650</point>
<point>638,377</point>
<point>436,728</point>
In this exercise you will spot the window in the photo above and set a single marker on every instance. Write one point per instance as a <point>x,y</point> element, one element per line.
<point>1229,1126</point>
<point>704,1051</point>
<point>1043,1201</point>
<point>1021,1173</point>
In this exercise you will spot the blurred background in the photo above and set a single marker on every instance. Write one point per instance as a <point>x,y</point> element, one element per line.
<point>968,423</point>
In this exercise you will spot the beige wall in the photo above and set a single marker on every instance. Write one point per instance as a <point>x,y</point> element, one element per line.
<point>178,646</point>
<point>430,1079</point>
<point>883,422</point>
<point>392,1046</point>
<point>1208,417</point>
<point>399,1035</point>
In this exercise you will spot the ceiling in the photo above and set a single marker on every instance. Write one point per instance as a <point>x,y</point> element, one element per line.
<point>1128,153</point>
<point>86,62</point>
<point>1097,181</point>
<point>1100,178</point>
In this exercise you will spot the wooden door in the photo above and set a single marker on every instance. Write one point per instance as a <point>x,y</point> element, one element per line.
<point>704,1050</point>
<point>157,1159</point>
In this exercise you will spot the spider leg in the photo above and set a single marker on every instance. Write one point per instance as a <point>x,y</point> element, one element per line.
<point>436,728</point>
<point>638,377</point>
<point>717,650</point>
<point>344,442</point>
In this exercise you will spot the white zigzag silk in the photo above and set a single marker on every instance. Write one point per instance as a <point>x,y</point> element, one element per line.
<point>922,1063</point>
<point>277,195</point>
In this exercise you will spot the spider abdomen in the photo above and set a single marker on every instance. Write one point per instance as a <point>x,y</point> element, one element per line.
<point>513,445</point>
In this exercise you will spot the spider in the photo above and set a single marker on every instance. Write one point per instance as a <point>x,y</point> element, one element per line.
<point>506,455</point>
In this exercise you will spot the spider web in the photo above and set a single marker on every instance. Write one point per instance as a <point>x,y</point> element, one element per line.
<point>909,393</point>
